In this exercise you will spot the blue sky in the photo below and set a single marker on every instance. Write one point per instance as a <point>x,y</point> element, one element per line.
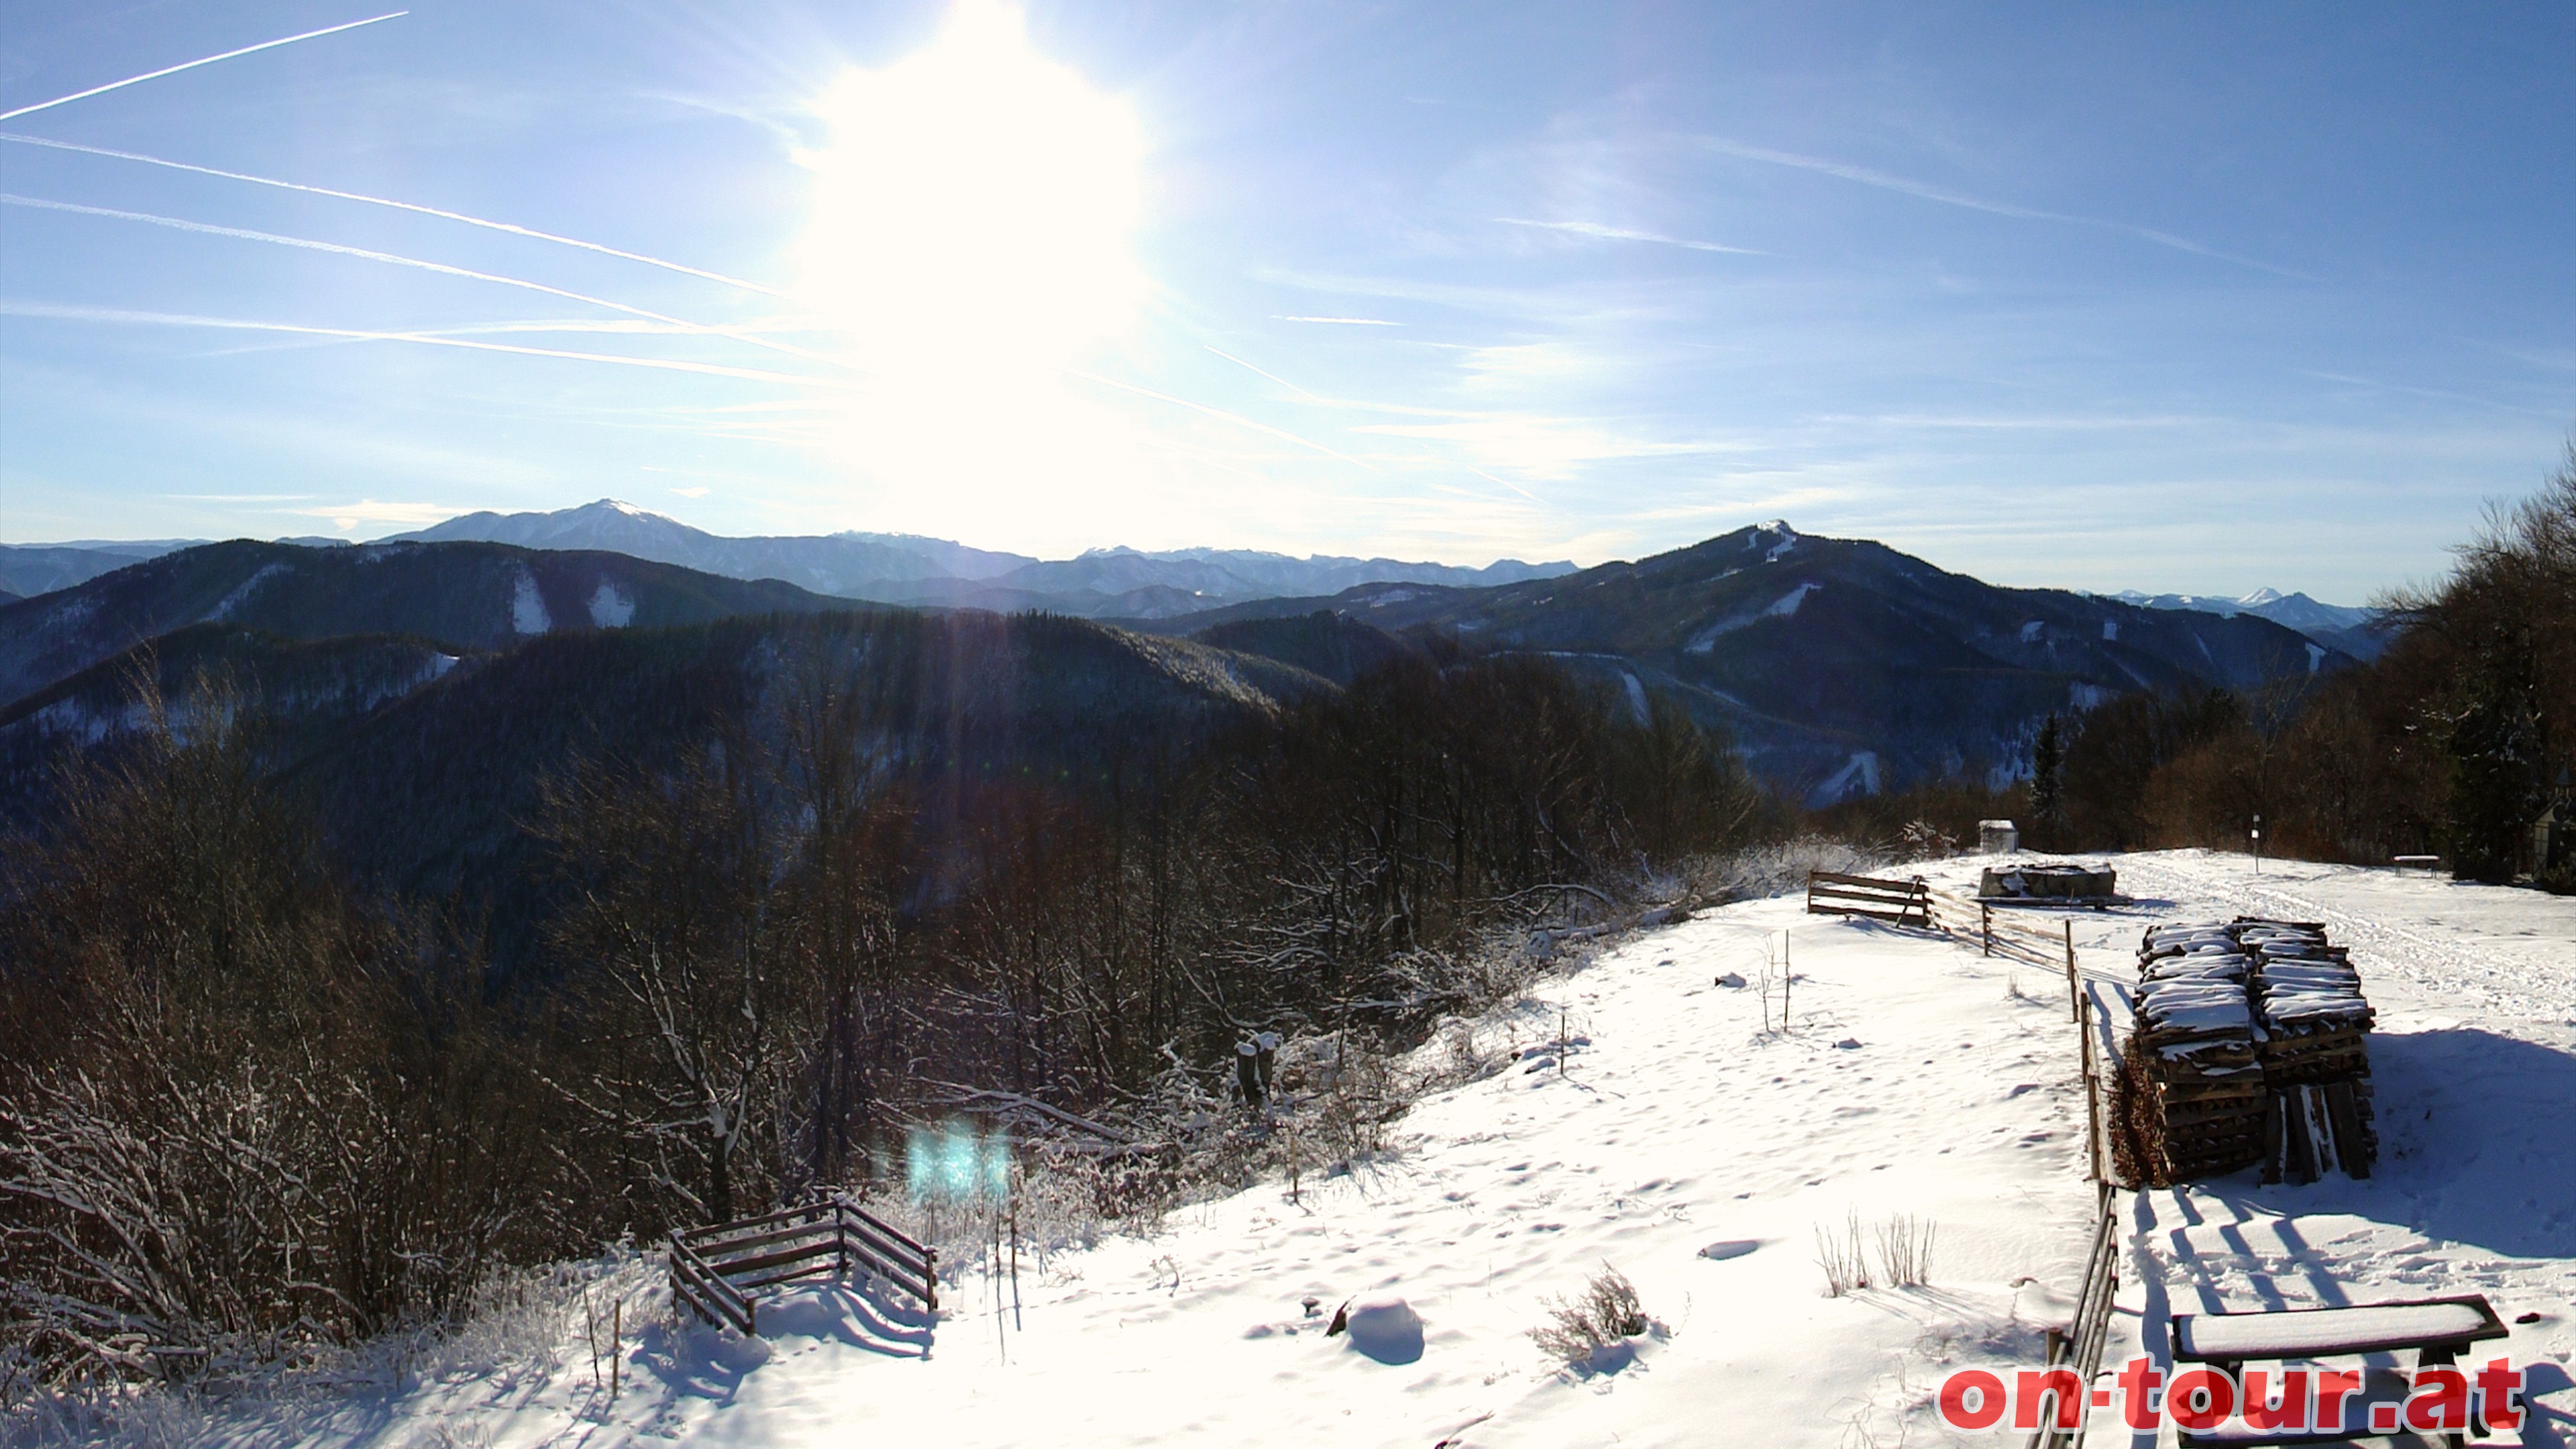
<point>2177,297</point>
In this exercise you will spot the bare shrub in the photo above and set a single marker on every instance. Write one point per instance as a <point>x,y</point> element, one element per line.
<point>1905,1250</point>
<point>1839,1254</point>
<point>1579,1326</point>
<point>1761,871</point>
<point>235,1120</point>
<point>1923,840</point>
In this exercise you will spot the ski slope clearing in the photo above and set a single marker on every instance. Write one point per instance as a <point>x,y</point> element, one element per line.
<point>1681,1140</point>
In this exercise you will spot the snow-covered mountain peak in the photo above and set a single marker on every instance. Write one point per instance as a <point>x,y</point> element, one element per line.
<point>2265,595</point>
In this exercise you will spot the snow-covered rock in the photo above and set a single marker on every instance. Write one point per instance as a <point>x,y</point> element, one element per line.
<point>1386,1329</point>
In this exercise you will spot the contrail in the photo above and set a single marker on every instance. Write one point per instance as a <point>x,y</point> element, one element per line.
<point>191,65</point>
<point>210,229</point>
<point>1274,377</point>
<point>1885,182</point>
<point>181,319</point>
<point>1235,418</point>
<point>1621,233</point>
<point>456,216</point>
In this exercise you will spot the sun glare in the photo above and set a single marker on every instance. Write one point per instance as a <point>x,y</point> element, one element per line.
<point>970,239</point>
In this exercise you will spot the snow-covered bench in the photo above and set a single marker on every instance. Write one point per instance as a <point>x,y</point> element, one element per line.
<point>2438,1329</point>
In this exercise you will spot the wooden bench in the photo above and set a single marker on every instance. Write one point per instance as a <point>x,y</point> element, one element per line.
<point>2426,861</point>
<point>2438,1329</point>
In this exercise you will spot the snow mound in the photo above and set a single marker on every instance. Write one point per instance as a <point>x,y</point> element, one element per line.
<point>1387,1330</point>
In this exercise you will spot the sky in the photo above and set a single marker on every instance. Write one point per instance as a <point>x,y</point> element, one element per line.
<point>2181,298</point>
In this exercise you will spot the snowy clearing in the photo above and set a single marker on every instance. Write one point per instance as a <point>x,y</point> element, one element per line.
<point>1680,1142</point>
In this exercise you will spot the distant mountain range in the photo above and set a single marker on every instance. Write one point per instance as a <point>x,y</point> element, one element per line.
<point>1115,583</point>
<point>2347,629</point>
<point>896,568</point>
<point>1838,665</point>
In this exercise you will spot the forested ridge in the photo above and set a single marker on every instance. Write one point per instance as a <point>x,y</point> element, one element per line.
<point>2458,741</point>
<point>258,1096</point>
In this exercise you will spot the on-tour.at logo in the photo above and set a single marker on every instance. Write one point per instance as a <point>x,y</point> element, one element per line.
<point>2438,1398</point>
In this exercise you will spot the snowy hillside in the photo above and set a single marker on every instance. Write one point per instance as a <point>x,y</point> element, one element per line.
<point>1683,1143</point>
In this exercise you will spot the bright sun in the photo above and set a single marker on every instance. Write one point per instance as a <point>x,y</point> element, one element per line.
<point>969,240</point>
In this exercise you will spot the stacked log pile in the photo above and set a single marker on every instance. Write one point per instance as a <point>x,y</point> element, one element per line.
<point>2314,1023</point>
<point>2250,1042</point>
<point>2196,1041</point>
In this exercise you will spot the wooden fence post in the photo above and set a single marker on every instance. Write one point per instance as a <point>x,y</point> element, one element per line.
<point>2074,993</point>
<point>2092,1090</point>
<point>1986,921</point>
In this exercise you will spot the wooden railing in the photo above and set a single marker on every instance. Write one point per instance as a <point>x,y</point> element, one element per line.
<point>1905,902</point>
<point>715,1269</point>
<point>2079,1345</point>
<point>1913,903</point>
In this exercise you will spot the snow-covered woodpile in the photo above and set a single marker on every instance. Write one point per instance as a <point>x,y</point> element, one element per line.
<point>2313,1024</point>
<point>2195,1015</point>
<point>2048,880</point>
<point>2251,1033</point>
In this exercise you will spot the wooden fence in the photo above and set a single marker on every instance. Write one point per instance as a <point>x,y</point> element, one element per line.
<point>1905,902</point>
<point>2079,1345</point>
<point>1913,903</point>
<point>715,1270</point>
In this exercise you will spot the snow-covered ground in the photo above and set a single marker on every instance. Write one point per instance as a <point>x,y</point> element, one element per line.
<point>1916,1078</point>
<point>2474,1065</point>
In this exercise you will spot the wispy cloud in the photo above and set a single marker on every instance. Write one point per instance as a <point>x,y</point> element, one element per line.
<point>1540,446</point>
<point>1621,233</point>
<point>240,497</point>
<point>1993,422</point>
<point>348,516</point>
<point>1344,321</point>
<point>1867,176</point>
<point>2431,392</point>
